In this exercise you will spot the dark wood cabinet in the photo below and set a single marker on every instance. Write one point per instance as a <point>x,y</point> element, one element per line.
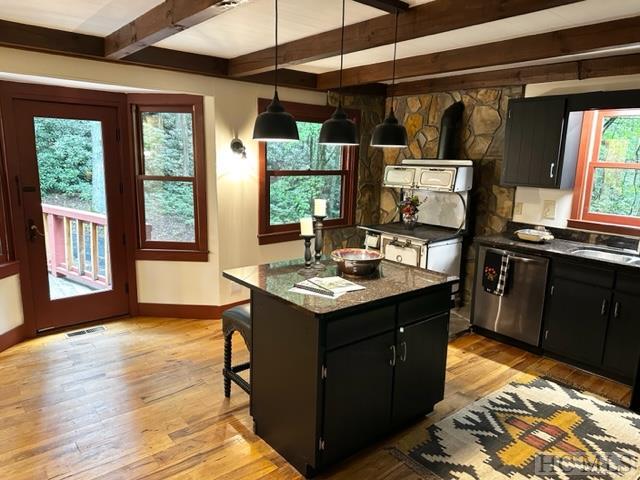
<point>357,395</point>
<point>622,348</point>
<point>576,320</point>
<point>420,365</point>
<point>540,143</point>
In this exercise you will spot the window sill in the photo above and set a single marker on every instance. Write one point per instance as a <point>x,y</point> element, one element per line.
<point>291,235</point>
<point>172,255</point>
<point>604,227</point>
<point>9,269</point>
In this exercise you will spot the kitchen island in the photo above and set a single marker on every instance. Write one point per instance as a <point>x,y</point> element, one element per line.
<point>331,376</point>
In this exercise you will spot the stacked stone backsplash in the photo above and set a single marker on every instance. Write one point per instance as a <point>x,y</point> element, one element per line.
<point>370,170</point>
<point>482,140</point>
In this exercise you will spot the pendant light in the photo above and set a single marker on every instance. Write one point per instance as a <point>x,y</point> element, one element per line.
<point>275,124</point>
<point>390,133</point>
<point>339,130</point>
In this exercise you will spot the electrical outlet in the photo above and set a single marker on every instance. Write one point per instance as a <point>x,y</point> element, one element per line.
<point>549,210</point>
<point>517,210</point>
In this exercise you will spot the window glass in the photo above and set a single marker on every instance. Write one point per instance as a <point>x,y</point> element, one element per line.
<point>169,211</point>
<point>616,191</point>
<point>168,144</point>
<point>291,197</point>
<point>620,141</point>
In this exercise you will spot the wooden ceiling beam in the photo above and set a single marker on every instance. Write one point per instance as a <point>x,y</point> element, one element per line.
<point>554,72</point>
<point>559,43</point>
<point>389,6</point>
<point>162,21</point>
<point>420,21</point>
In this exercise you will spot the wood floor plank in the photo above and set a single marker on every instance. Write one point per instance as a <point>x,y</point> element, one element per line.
<point>143,400</point>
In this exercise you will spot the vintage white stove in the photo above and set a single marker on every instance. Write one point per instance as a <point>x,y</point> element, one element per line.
<point>435,243</point>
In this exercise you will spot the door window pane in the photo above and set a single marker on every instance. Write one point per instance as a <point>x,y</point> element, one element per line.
<point>291,196</point>
<point>70,160</point>
<point>169,211</point>
<point>616,191</point>
<point>620,140</point>
<point>305,154</point>
<point>168,144</point>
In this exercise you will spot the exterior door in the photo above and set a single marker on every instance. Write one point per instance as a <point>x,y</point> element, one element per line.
<point>70,186</point>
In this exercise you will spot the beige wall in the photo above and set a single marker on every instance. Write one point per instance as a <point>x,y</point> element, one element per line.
<point>10,304</point>
<point>232,185</point>
<point>530,201</point>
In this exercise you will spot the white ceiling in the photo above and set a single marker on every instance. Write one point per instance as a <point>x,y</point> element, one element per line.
<point>249,27</point>
<point>92,17</point>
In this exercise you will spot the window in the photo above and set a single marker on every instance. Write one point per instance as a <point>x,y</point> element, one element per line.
<point>170,177</point>
<point>607,187</point>
<point>292,174</point>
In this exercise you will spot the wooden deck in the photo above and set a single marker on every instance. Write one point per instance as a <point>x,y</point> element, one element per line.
<point>144,400</point>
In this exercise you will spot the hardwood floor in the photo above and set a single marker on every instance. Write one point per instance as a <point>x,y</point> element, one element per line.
<point>144,400</point>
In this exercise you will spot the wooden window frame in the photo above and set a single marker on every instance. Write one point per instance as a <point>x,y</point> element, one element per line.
<point>196,251</point>
<point>268,233</point>
<point>581,217</point>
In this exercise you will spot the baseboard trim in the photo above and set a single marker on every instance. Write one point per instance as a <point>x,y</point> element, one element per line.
<point>9,269</point>
<point>12,337</point>
<point>198,312</point>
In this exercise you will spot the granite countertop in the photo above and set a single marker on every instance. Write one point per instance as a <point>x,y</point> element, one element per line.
<point>421,232</point>
<point>554,247</point>
<point>393,279</point>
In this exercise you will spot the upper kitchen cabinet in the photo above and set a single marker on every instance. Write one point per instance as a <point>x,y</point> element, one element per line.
<point>541,143</point>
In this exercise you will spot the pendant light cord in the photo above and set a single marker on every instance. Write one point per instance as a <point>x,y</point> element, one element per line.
<point>341,54</point>
<point>395,50</point>
<point>275,80</point>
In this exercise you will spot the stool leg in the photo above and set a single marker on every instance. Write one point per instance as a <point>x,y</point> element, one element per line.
<point>227,364</point>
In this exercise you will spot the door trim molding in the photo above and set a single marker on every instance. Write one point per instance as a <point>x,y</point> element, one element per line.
<point>10,91</point>
<point>12,337</point>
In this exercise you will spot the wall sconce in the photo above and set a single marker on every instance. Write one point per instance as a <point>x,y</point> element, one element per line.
<point>238,148</point>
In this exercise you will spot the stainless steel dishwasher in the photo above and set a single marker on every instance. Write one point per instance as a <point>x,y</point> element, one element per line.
<point>518,313</point>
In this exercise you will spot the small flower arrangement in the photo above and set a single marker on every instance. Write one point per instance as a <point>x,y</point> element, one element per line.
<point>409,206</point>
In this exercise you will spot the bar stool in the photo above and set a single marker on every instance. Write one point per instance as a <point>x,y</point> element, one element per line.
<point>236,319</point>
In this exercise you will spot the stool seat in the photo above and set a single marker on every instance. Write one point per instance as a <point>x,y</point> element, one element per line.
<point>238,319</point>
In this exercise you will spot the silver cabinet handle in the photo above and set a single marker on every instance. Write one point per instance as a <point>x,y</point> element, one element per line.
<point>616,310</point>
<point>403,355</point>
<point>392,362</point>
<point>551,167</point>
<point>603,310</point>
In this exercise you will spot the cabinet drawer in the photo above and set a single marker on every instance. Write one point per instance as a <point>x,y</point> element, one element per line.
<point>628,283</point>
<point>423,306</point>
<point>352,328</point>
<point>597,276</point>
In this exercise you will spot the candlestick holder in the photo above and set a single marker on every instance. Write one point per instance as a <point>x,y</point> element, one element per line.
<point>319,242</point>
<point>308,257</point>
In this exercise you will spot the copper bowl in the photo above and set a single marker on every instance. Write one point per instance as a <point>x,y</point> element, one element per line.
<point>357,261</point>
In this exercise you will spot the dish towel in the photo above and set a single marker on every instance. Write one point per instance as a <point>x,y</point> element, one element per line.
<point>495,273</point>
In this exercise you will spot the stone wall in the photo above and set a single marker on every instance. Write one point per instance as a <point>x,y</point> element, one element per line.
<point>370,169</point>
<point>482,141</point>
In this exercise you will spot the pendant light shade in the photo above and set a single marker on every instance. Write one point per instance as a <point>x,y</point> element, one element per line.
<point>339,130</point>
<point>275,124</point>
<point>389,133</point>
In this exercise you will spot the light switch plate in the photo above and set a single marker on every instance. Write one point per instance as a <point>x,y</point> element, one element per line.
<point>517,209</point>
<point>549,209</point>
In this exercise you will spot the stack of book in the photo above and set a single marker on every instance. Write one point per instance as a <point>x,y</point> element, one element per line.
<point>330,287</point>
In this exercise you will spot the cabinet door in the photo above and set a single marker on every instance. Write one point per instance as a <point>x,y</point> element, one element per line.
<point>420,368</point>
<point>533,142</point>
<point>357,396</point>
<point>576,320</point>
<point>622,349</point>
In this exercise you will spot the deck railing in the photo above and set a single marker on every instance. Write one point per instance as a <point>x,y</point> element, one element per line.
<point>77,245</point>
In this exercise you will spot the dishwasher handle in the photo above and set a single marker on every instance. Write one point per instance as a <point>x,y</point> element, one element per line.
<point>518,258</point>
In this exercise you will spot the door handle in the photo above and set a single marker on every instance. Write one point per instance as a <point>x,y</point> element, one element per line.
<point>403,354</point>
<point>603,310</point>
<point>551,167</point>
<point>34,231</point>
<point>616,310</point>
<point>392,362</point>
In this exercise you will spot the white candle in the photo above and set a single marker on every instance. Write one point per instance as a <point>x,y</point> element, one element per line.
<point>320,207</point>
<point>306,226</point>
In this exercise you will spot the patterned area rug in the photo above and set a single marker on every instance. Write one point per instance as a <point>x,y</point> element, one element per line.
<point>532,428</point>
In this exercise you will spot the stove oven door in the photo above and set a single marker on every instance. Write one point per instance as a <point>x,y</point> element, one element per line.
<point>401,252</point>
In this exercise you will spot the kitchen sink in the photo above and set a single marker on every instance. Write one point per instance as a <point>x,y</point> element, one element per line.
<point>607,256</point>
